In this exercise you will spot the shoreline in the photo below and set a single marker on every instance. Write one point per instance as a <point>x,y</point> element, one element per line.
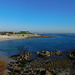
<point>15,37</point>
<point>6,38</point>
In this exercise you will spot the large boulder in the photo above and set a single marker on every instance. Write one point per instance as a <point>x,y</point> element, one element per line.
<point>48,73</point>
<point>57,52</point>
<point>38,52</point>
<point>44,53</point>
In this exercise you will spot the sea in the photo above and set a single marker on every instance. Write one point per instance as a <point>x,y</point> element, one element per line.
<point>59,41</point>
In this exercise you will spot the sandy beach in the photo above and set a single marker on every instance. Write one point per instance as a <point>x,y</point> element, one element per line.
<point>5,37</point>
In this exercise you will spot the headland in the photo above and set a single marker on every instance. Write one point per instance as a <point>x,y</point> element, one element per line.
<point>19,35</point>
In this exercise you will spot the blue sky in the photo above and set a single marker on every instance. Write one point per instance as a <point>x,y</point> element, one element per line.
<point>47,16</point>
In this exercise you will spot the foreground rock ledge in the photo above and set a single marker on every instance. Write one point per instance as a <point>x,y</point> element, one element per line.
<point>26,65</point>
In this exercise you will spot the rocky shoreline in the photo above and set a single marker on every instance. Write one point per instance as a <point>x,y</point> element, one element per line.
<point>42,64</point>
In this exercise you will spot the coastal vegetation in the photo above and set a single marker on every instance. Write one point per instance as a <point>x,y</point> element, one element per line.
<point>2,67</point>
<point>23,32</point>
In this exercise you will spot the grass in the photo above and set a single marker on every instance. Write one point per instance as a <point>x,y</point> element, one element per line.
<point>23,33</point>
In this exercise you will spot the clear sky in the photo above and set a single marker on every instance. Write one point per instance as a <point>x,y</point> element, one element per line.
<point>50,16</point>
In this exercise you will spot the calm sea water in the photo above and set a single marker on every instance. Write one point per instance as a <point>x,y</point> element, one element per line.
<point>62,42</point>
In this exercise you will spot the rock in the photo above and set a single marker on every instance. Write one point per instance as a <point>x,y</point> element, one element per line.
<point>16,68</point>
<point>28,54</point>
<point>43,72</point>
<point>44,53</point>
<point>72,72</point>
<point>58,52</point>
<point>47,53</point>
<point>21,72</point>
<point>51,52</point>
<point>74,64</point>
<point>22,56</point>
<point>48,73</point>
<point>38,52</point>
<point>72,55</point>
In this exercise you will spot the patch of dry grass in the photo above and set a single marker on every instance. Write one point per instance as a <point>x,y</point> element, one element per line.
<point>2,67</point>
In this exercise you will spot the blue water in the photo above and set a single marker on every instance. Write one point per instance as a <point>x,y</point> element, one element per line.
<point>62,42</point>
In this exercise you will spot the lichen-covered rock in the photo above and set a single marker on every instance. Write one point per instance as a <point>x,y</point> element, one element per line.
<point>41,66</point>
<point>44,53</point>
<point>22,56</point>
<point>58,52</point>
<point>38,52</point>
<point>48,73</point>
<point>16,68</point>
